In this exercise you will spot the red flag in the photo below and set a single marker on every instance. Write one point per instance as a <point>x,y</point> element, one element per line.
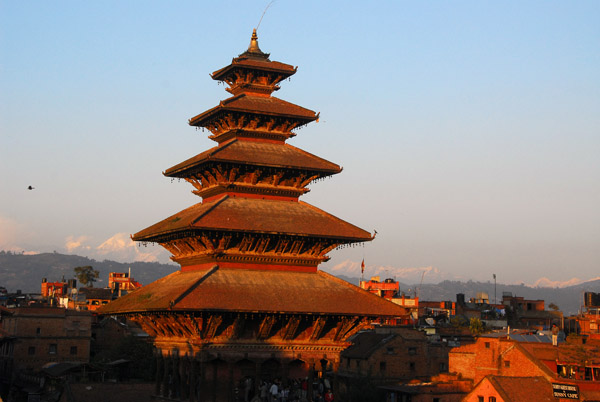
<point>362,266</point>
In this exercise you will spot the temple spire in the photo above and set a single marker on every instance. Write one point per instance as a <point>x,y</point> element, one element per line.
<point>253,49</point>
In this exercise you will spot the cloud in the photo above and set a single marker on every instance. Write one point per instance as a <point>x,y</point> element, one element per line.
<point>11,234</point>
<point>77,244</point>
<point>118,247</point>
<point>404,274</point>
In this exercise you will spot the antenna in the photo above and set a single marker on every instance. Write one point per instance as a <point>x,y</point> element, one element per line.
<point>264,12</point>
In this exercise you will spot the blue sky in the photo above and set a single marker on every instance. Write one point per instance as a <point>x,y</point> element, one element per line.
<point>469,132</point>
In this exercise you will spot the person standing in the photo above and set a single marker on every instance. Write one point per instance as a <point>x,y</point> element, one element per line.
<point>274,392</point>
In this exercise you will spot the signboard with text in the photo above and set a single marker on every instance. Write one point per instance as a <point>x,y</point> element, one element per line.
<point>566,391</point>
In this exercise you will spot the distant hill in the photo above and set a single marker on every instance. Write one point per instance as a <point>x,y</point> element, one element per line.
<point>568,299</point>
<point>25,272</point>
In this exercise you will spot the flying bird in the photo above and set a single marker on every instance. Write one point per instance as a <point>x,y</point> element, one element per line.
<point>30,188</point>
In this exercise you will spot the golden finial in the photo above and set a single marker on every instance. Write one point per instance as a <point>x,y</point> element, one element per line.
<point>253,48</point>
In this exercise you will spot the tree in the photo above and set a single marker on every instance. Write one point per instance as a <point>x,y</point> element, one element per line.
<point>86,275</point>
<point>553,307</point>
<point>458,321</point>
<point>476,326</point>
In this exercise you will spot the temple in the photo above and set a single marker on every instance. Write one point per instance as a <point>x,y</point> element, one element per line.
<point>249,303</point>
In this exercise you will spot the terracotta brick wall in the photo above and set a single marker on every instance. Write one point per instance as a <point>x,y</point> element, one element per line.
<point>49,335</point>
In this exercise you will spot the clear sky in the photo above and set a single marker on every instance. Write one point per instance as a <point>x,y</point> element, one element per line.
<point>469,132</point>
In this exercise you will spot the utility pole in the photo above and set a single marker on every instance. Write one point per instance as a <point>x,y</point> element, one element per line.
<point>495,301</point>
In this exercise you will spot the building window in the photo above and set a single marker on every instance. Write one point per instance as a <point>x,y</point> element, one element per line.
<point>38,331</point>
<point>382,367</point>
<point>492,399</point>
<point>73,350</point>
<point>480,399</point>
<point>390,351</point>
<point>31,350</point>
<point>436,399</point>
<point>52,349</point>
<point>412,351</point>
<point>348,363</point>
<point>507,363</point>
<point>443,367</point>
<point>412,366</point>
<point>487,345</point>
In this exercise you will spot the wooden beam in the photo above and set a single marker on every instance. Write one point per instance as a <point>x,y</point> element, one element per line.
<point>211,327</point>
<point>344,326</point>
<point>289,330</point>
<point>265,326</point>
<point>318,326</point>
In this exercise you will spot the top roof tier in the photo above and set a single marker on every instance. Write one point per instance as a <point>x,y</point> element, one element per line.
<point>253,73</point>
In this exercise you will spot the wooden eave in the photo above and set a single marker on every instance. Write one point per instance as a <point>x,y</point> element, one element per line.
<point>248,215</point>
<point>267,292</point>
<point>285,70</point>
<point>257,154</point>
<point>267,106</point>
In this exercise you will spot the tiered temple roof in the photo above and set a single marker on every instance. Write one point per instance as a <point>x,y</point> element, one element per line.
<point>249,287</point>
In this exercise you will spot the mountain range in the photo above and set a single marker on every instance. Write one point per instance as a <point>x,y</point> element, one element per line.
<point>19,271</point>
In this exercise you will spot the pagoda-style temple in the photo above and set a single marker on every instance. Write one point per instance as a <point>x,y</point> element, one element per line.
<point>249,303</point>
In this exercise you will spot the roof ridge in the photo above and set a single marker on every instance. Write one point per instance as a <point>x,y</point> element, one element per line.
<point>215,204</point>
<point>231,99</point>
<point>549,373</point>
<point>195,285</point>
<point>221,147</point>
<point>492,379</point>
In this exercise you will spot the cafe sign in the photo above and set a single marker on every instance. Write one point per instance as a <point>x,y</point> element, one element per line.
<point>566,391</point>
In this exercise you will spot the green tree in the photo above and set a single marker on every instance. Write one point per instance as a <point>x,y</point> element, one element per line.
<point>458,321</point>
<point>86,275</point>
<point>553,306</point>
<point>476,326</point>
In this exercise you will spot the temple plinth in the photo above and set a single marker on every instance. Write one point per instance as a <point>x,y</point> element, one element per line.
<point>249,301</point>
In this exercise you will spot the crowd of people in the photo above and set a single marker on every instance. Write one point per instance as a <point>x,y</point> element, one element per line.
<point>294,390</point>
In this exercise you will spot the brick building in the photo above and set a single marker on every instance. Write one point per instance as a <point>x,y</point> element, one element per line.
<point>587,322</point>
<point>577,364</point>
<point>524,313</point>
<point>441,388</point>
<point>387,289</point>
<point>393,354</point>
<point>42,335</point>
<point>93,298</point>
<point>508,389</point>
<point>122,281</point>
